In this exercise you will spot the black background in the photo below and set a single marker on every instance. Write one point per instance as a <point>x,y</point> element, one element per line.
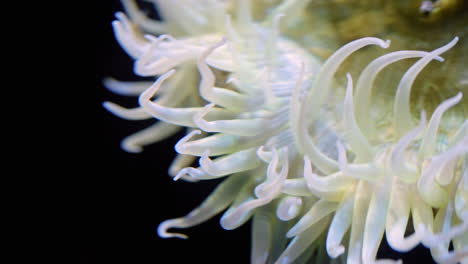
<point>131,193</point>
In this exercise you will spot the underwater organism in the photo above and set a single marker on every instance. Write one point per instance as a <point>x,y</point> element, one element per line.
<point>321,149</point>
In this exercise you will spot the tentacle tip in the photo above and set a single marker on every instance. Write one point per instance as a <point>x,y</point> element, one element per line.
<point>116,25</point>
<point>172,235</point>
<point>170,72</point>
<point>439,59</point>
<point>120,15</point>
<point>131,148</point>
<point>342,160</point>
<point>179,175</point>
<point>166,225</point>
<point>108,82</point>
<point>336,251</point>
<point>291,233</point>
<point>386,44</point>
<point>150,37</point>
<point>227,223</point>
<point>107,105</point>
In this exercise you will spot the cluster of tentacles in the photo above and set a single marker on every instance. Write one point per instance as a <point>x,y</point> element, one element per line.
<point>305,158</point>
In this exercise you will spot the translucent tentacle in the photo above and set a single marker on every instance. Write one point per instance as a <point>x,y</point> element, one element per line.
<point>365,83</point>
<point>360,207</point>
<point>288,208</point>
<point>217,144</point>
<point>177,116</point>
<point>181,161</point>
<point>155,133</point>
<point>296,187</point>
<point>129,37</point>
<point>219,96</point>
<point>191,173</point>
<point>313,99</point>
<point>406,171</point>
<point>137,113</point>
<point>221,197</point>
<point>333,182</point>
<point>302,241</point>
<point>354,137</point>
<point>428,144</point>
<point>397,220</point>
<point>262,234</point>
<point>265,193</point>
<point>239,127</point>
<point>430,190</point>
<point>339,225</point>
<point>148,25</point>
<point>322,84</point>
<point>318,211</point>
<point>238,161</point>
<point>366,171</point>
<point>401,107</point>
<point>375,219</point>
<point>126,88</point>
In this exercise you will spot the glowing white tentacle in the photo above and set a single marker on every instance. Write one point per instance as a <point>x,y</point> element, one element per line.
<point>313,99</point>
<point>365,83</point>
<point>318,211</point>
<point>265,192</point>
<point>401,107</point>
<point>191,173</point>
<point>288,208</point>
<point>126,88</point>
<point>239,127</point>
<point>263,230</point>
<point>430,136</point>
<point>137,113</point>
<point>219,96</point>
<point>138,17</point>
<point>366,171</point>
<point>155,133</point>
<point>354,137</point>
<point>238,161</point>
<point>322,84</point>
<point>129,37</point>
<point>397,220</point>
<point>375,219</point>
<point>274,180</point>
<point>333,182</point>
<point>181,161</point>
<point>339,225</point>
<point>360,207</point>
<point>296,187</point>
<point>217,144</point>
<point>177,116</point>
<point>221,197</point>
<point>302,241</point>
<point>429,189</point>
<point>407,172</point>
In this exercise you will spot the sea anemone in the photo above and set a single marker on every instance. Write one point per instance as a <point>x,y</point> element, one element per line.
<point>316,160</point>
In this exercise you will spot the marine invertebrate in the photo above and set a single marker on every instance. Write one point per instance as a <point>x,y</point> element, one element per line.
<point>307,160</point>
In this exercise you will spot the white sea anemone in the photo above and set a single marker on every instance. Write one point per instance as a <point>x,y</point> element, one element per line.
<point>296,148</point>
